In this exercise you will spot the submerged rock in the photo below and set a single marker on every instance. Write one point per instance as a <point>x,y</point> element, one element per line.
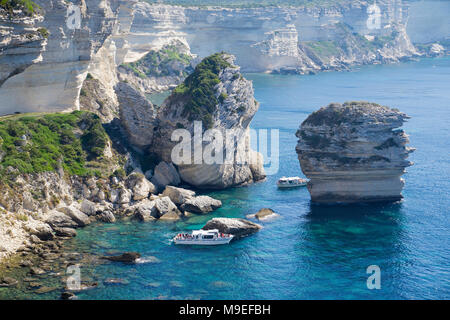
<point>127,257</point>
<point>178,195</point>
<point>237,227</point>
<point>44,232</point>
<point>351,153</point>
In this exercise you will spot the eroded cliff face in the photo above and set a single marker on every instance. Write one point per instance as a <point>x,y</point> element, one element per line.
<point>47,56</point>
<point>354,153</point>
<point>233,106</point>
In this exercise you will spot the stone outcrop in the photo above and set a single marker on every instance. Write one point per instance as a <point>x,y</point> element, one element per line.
<point>237,227</point>
<point>137,115</point>
<point>140,186</point>
<point>165,174</point>
<point>161,69</point>
<point>127,257</point>
<point>230,111</point>
<point>354,153</point>
<point>178,196</point>
<point>301,39</point>
<point>95,97</point>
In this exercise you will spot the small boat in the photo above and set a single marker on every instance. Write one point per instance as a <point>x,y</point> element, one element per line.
<point>291,182</point>
<point>203,238</point>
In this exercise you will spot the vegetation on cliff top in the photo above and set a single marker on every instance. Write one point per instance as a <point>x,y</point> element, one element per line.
<point>33,144</point>
<point>28,6</point>
<point>198,89</point>
<point>161,63</point>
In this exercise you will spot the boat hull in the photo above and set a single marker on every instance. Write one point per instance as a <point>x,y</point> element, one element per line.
<point>213,242</point>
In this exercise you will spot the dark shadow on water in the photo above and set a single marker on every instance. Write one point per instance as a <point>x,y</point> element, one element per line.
<point>355,235</point>
<point>356,211</point>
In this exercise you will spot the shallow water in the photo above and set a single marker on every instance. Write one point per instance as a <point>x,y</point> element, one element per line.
<point>310,252</point>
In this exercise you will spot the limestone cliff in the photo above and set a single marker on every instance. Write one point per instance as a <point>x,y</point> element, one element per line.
<point>50,52</point>
<point>354,153</point>
<point>137,115</point>
<point>215,96</point>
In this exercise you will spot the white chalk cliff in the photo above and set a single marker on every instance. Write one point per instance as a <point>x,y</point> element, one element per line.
<point>231,115</point>
<point>354,153</point>
<point>44,59</point>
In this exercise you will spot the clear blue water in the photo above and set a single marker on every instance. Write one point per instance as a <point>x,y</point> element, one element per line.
<point>311,252</point>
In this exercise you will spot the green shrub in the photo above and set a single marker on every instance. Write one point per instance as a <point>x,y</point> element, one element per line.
<point>28,6</point>
<point>43,143</point>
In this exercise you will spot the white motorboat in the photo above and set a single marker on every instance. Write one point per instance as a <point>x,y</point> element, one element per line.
<point>203,238</point>
<point>291,182</point>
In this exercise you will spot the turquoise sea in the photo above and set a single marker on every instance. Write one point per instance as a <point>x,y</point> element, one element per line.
<point>311,251</point>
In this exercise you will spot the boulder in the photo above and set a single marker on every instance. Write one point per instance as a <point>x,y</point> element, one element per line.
<point>44,232</point>
<point>7,282</point>
<point>124,196</point>
<point>137,115</point>
<point>114,195</point>
<point>57,219</point>
<point>263,214</point>
<point>201,204</point>
<point>165,206</point>
<point>66,295</point>
<point>178,195</point>
<point>237,227</point>
<point>140,186</point>
<point>127,257</point>
<point>88,207</point>
<point>76,215</point>
<point>165,174</point>
<point>171,216</point>
<point>232,108</point>
<point>65,232</point>
<point>106,216</point>
<point>146,211</point>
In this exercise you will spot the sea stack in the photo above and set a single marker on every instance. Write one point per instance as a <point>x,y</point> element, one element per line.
<point>354,153</point>
<point>214,104</point>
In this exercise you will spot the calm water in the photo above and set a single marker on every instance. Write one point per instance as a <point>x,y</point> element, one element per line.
<point>311,252</point>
